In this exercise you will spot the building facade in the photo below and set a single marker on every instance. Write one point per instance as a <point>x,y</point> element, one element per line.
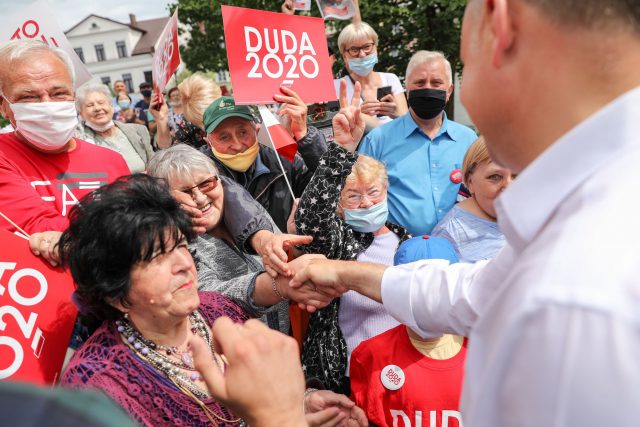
<point>113,50</point>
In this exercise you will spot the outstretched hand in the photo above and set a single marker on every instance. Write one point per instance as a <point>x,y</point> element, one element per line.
<point>348,124</point>
<point>273,250</point>
<point>294,110</point>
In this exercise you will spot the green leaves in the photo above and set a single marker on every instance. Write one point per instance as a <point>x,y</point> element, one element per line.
<point>403,27</point>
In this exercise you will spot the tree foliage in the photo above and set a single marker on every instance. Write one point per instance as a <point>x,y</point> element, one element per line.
<point>403,26</point>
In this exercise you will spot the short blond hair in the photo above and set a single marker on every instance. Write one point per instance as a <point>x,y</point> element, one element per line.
<point>197,92</point>
<point>351,32</point>
<point>477,154</point>
<point>367,169</point>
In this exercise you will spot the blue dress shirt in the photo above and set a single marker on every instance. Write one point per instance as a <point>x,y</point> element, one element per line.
<point>420,188</point>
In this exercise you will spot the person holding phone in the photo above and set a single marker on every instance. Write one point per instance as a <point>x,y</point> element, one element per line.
<point>382,97</point>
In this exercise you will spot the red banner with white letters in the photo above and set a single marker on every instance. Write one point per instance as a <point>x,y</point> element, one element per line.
<point>166,58</point>
<point>267,50</point>
<point>36,314</point>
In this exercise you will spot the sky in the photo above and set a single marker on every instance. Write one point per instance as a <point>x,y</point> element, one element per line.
<point>70,12</point>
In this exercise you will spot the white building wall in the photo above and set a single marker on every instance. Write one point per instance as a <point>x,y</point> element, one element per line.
<point>108,33</point>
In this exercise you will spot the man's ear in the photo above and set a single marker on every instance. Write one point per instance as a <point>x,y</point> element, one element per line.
<point>502,28</point>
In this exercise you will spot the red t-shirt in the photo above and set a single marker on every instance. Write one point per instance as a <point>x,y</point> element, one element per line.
<point>431,388</point>
<point>37,190</point>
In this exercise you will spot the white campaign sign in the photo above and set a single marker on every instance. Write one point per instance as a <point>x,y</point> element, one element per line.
<point>37,21</point>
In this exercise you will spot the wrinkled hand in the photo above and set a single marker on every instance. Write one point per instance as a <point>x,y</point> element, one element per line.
<point>346,412</point>
<point>45,244</point>
<point>291,221</point>
<point>348,124</point>
<point>187,203</point>
<point>308,297</point>
<point>385,107</point>
<point>263,382</point>
<point>160,114</point>
<point>287,7</point>
<point>295,110</point>
<point>273,250</point>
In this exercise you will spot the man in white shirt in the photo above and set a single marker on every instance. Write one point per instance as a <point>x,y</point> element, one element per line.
<point>554,321</point>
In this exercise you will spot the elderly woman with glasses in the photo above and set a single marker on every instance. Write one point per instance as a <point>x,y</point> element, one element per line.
<point>344,208</point>
<point>382,95</point>
<point>132,141</point>
<point>146,296</point>
<point>224,266</point>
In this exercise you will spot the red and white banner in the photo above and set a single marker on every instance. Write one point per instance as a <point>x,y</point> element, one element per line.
<point>37,21</point>
<point>336,9</point>
<point>36,314</point>
<point>267,50</point>
<point>166,58</point>
<point>280,139</point>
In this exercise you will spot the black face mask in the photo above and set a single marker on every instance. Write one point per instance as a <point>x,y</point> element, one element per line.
<point>427,103</point>
<point>146,93</point>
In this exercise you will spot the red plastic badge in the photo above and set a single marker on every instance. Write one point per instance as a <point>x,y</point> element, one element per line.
<point>456,176</point>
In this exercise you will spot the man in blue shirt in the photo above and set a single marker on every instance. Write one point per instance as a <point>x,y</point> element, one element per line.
<point>422,150</point>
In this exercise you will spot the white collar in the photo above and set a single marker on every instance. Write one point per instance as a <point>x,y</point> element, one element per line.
<point>526,206</point>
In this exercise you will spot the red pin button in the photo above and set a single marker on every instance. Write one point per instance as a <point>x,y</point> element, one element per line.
<point>456,176</point>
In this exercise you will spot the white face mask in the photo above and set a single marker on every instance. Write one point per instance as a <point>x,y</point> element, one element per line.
<point>100,128</point>
<point>46,125</point>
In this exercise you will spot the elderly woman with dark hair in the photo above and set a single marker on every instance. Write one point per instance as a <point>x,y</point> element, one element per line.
<point>132,141</point>
<point>127,249</point>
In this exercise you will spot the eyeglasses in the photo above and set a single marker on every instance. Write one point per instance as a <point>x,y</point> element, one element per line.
<point>205,186</point>
<point>354,51</point>
<point>355,199</point>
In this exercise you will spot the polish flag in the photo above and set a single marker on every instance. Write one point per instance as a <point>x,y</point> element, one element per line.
<point>280,139</point>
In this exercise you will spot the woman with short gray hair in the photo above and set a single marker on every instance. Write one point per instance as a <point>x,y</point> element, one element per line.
<point>132,141</point>
<point>223,266</point>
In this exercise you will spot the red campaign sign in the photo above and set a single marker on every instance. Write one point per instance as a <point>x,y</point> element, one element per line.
<point>267,50</point>
<point>166,58</point>
<point>36,314</point>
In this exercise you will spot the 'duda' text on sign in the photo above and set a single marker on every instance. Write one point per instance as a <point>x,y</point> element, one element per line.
<point>267,50</point>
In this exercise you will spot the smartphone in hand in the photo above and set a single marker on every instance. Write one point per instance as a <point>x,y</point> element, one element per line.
<point>383,91</point>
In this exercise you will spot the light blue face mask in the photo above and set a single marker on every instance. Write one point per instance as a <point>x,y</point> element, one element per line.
<point>363,66</point>
<point>124,104</point>
<point>369,219</point>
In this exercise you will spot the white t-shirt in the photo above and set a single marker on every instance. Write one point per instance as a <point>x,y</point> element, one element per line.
<point>388,79</point>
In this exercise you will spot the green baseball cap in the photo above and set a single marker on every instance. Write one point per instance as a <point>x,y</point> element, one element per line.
<point>223,108</point>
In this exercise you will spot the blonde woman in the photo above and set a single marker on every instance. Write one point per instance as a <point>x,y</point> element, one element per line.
<point>471,224</point>
<point>382,94</point>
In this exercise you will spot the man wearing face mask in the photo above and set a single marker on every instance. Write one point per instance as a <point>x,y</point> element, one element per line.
<point>44,170</point>
<point>142,107</point>
<point>233,145</point>
<point>423,150</point>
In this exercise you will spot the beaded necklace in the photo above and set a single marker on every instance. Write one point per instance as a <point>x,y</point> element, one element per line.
<point>170,367</point>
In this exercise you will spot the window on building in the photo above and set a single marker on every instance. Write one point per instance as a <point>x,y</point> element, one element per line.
<point>80,53</point>
<point>106,81</point>
<point>148,76</point>
<point>128,81</point>
<point>100,53</point>
<point>122,49</point>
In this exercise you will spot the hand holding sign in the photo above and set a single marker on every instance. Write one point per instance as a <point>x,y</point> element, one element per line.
<point>294,108</point>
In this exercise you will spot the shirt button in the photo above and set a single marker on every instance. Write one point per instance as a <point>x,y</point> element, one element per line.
<point>435,188</point>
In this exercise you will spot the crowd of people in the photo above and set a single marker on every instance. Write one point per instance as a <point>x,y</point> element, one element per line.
<point>438,278</point>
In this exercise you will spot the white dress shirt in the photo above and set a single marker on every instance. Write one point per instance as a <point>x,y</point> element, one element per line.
<point>554,320</point>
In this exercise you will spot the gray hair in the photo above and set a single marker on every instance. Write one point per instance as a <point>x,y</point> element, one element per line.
<point>19,50</point>
<point>179,161</point>
<point>427,57</point>
<point>88,88</point>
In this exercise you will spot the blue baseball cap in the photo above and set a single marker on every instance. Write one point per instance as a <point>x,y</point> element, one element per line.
<point>425,247</point>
